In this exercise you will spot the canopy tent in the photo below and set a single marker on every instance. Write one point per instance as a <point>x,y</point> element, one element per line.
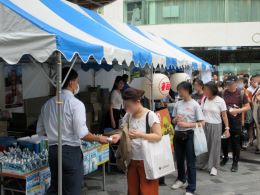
<point>190,59</point>
<point>40,27</point>
<point>62,26</point>
<point>92,4</point>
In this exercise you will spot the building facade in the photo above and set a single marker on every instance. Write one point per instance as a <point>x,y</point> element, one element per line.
<point>225,33</point>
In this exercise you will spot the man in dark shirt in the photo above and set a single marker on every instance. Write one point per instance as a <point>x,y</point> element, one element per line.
<point>237,103</point>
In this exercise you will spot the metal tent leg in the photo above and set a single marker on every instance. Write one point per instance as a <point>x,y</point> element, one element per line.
<point>104,176</point>
<point>152,97</point>
<point>59,104</point>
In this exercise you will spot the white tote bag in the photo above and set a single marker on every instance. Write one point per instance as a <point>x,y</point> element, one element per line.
<point>158,158</point>
<point>200,141</point>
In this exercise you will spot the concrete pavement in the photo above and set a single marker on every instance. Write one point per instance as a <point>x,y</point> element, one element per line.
<point>245,182</point>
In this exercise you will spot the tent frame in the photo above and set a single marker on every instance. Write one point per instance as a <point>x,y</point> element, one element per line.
<point>59,106</point>
<point>59,84</point>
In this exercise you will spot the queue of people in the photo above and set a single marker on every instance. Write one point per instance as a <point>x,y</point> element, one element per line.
<point>220,108</point>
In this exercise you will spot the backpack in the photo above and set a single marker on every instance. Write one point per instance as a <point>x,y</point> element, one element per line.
<point>123,153</point>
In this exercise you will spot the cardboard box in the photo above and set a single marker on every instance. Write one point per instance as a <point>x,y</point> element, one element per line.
<point>89,119</point>
<point>3,128</point>
<point>94,94</point>
<point>88,97</point>
<point>90,161</point>
<point>3,133</point>
<point>103,154</point>
<point>97,108</point>
<point>3,125</point>
<point>45,180</point>
<point>104,96</point>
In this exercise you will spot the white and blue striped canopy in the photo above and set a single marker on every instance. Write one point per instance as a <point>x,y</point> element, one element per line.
<point>40,27</point>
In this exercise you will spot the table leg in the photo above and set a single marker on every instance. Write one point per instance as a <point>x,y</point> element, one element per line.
<point>104,176</point>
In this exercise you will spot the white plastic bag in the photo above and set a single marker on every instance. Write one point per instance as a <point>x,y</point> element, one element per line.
<point>200,141</point>
<point>158,158</point>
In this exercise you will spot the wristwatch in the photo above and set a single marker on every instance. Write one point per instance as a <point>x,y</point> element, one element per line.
<point>227,128</point>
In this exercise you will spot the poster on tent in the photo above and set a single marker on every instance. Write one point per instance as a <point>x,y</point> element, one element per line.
<point>166,125</point>
<point>13,86</point>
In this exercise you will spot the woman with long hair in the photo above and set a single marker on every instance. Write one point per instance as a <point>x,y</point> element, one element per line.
<point>215,110</point>
<point>198,90</point>
<point>116,102</point>
<point>136,118</point>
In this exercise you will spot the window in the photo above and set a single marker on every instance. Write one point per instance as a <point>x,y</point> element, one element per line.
<point>191,11</point>
<point>134,13</point>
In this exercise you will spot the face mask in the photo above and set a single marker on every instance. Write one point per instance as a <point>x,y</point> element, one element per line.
<point>240,86</point>
<point>77,90</point>
<point>220,89</point>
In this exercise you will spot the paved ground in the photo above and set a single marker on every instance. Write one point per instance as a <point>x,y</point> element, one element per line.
<point>249,155</point>
<point>245,182</point>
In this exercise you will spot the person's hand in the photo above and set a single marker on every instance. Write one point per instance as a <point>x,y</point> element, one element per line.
<point>179,118</point>
<point>103,139</point>
<point>183,124</point>
<point>113,123</point>
<point>115,138</point>
<point>234,111</point>
<point>135,134</point>
<point>227,134</point>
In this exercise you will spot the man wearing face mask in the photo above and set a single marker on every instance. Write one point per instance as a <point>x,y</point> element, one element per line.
<point>240,84</point>
<point>73,130</point>
<point>237,103</point>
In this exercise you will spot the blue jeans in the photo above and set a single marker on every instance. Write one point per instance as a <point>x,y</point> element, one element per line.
<point>184,150</point>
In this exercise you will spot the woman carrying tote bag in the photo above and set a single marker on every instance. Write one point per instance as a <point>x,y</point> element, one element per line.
<point>215,110</point>
<point>136,117</point>
<point>187,114</point>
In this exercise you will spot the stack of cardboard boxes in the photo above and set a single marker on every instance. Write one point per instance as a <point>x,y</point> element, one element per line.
<point>3,128</point>
<point>96,101</point>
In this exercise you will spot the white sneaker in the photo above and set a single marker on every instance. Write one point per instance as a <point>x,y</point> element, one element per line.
<point>178,184</point>
<point>189,193</point>
<point>214,172</point>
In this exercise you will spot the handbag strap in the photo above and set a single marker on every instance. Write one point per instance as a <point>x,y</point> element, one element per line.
<point>255,91</point>
<point>148,128</point>
<point>127,122</point>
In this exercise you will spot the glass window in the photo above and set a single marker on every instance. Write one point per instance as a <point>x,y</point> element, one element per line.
<point>190,11</point>
<point>134,13</point>
<point>239,68</point>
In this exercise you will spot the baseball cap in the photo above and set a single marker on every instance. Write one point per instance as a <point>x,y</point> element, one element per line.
<point>231,79</point>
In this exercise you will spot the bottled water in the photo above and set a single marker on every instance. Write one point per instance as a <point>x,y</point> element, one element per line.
<point>87,146</point>
<point>19,161</point>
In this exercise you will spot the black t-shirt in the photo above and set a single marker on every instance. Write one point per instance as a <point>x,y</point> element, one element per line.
<point>234,100</point>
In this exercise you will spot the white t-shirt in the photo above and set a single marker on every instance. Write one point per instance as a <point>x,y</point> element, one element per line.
<point>116,100</point>
<point>189,110</point>
<point>140,124</point>
<point>212,110</point>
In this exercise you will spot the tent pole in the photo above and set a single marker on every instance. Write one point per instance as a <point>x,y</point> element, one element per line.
<point>59,104</point>
<point>152,98</point>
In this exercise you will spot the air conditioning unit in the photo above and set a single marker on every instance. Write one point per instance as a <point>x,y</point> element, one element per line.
<point>171,11</point>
